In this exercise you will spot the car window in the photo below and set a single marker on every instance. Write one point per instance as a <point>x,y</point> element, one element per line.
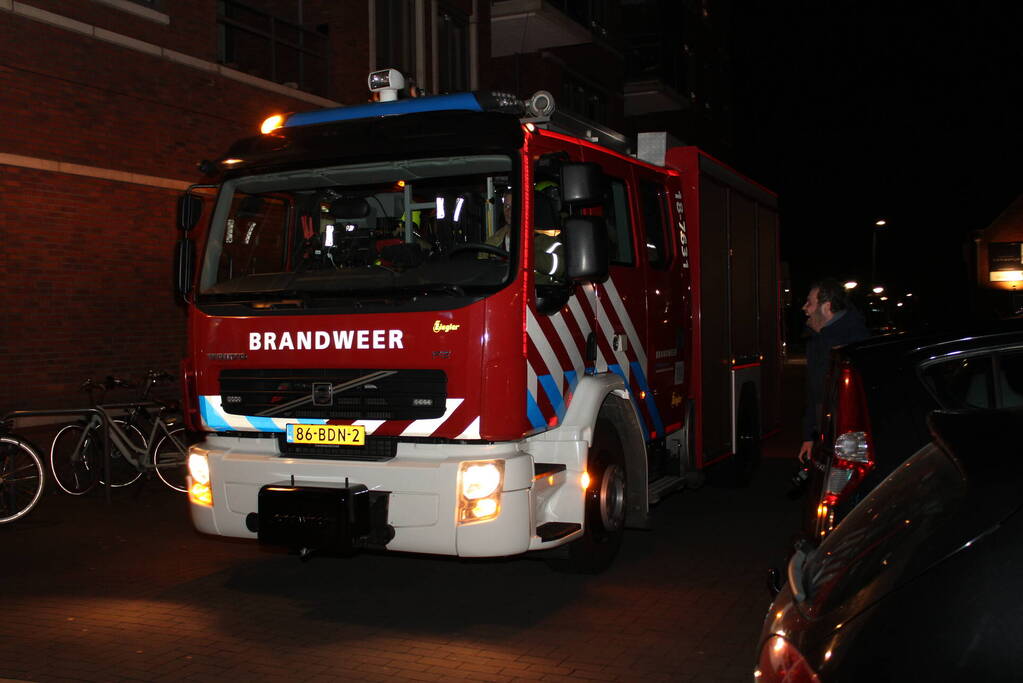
<point>963,382</point>
<point>884,533</point>
<point>1010,379</point>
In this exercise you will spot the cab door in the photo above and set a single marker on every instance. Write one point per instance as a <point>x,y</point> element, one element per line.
<point>621,304</point>
<point>666,300</point>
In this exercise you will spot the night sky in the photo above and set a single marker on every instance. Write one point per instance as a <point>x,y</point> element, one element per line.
<point>854,111</point>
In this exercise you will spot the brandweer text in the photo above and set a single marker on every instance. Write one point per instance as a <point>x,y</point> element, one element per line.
<point>320,339</point>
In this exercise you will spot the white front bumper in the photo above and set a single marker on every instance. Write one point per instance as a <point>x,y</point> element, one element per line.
<point>421,480</point>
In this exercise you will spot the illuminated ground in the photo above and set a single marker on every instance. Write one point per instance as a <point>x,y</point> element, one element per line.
<point>129,591</point>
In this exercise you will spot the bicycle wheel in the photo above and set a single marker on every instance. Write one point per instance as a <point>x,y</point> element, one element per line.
<point>76,470</point>
<point>170,459</point>
<point>21,478</point>
<point>122,471</point>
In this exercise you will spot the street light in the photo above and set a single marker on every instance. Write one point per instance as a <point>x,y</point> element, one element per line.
<point>879,223</point>
<point>852,284</point>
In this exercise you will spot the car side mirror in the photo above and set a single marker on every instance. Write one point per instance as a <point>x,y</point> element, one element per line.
<point>189,210</point>
<point>586,249</point>
<point>582,184</point>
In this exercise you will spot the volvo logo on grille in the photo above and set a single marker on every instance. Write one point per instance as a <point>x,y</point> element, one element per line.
<point>322,394</point>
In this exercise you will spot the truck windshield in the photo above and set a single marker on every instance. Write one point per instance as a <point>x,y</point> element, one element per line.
<point>415,228</point>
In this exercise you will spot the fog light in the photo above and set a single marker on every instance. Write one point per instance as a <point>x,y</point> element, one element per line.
<point>486,507</point>
<point>200,494</point>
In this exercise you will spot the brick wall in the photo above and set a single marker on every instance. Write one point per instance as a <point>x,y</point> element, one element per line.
<point>86,279</point>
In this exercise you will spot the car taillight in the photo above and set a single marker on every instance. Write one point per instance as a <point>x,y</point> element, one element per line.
<point>853,450</point>
<point>781,662</point>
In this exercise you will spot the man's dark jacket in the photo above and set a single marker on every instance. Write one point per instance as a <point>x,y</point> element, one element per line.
<point>845,328</point>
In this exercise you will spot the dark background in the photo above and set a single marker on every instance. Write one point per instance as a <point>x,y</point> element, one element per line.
<point>855,111</point>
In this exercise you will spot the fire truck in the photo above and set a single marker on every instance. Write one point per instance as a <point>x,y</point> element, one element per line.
<point>470,325</point>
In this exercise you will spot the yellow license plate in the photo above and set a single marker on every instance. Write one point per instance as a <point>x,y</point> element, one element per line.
<point>327,435</point>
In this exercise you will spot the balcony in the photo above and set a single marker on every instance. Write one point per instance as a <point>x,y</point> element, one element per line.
<point>655,76</point>
<point>524,26</point>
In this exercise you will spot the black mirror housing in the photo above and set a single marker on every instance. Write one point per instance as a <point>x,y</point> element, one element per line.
<point>189,210</point>
<point>582,184</point>
<point>586,249</point>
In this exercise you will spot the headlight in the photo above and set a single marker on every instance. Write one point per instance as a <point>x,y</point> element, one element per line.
<point>480,480</point>
<point>199,491</point>
<point>199,468</point>
<point>479,490</point>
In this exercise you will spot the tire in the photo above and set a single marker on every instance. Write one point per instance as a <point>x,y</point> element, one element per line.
<point>122,471</point>
<point>21,478</point>
<point>605,505</point>
<point>75,473</point>
<point>170,461</point>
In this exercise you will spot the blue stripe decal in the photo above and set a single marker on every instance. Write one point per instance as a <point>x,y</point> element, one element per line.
<point>553,394</point>
<point>263,424</point>
<point>571,379</point>
<point>617,369</point>
<point>533,412</point>
<point>651,407</point>
<point>211,417</point>
<point>457,101</point>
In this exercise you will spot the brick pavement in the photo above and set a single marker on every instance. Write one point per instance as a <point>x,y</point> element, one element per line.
<point>129,592</point>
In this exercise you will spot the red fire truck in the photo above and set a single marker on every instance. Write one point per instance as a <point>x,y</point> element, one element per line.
<point>470,325</point>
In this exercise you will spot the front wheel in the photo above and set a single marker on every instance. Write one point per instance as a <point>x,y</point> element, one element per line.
<point>170,459</point>
<point>76,458</point>
<point>605,505</point>
<point>21,478</point>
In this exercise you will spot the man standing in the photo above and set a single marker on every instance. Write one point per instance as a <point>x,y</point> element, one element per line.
<point>833,323</point>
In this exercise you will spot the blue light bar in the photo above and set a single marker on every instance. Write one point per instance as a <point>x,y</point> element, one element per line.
<point>458,101</point>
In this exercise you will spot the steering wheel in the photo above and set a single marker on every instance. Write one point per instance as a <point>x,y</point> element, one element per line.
<point>480,247</point>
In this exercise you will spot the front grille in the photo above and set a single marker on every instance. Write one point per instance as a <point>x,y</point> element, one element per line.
<point>377,448</point>
<point>404,395</point>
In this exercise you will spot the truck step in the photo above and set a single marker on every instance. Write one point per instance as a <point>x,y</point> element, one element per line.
<point>662,486</point>
<point>552,531</point>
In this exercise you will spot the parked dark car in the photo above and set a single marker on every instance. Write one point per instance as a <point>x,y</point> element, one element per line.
<point>922,581</point>
<point>879,394</point>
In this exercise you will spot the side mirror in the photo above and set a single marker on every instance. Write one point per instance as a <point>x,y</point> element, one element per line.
<point>189,210</point>
<point>586,249</point>
<point>184,266</point>
<point>582,184</point>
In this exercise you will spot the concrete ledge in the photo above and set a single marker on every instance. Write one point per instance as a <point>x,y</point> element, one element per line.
<point>137,10</point>
<point>60,21</point>
<point>92,172</point>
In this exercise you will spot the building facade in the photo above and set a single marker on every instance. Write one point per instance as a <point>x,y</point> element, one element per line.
<point>110,104</point>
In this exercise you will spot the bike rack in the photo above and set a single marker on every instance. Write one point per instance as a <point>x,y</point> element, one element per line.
<point>81,412</point>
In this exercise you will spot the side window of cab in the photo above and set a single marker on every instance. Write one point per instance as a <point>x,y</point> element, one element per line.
<point>653,201</point>
<point>619,226</point>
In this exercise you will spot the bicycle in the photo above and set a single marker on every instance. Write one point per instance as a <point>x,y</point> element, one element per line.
<point>77,452</point>
<point>21,476</point>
